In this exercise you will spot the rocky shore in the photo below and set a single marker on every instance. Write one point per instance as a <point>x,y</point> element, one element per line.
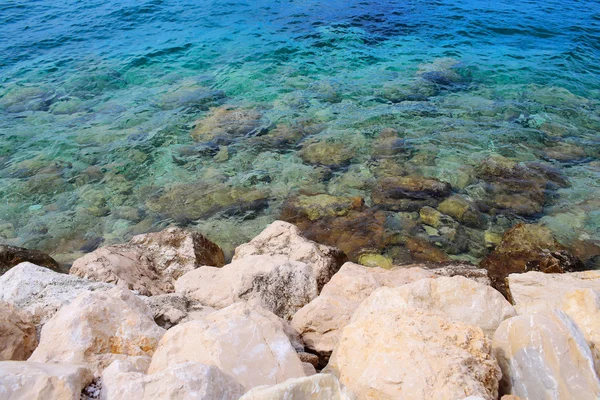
<point>164,316</point>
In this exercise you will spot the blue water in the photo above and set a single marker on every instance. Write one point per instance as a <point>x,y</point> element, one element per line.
<point>98,103</point>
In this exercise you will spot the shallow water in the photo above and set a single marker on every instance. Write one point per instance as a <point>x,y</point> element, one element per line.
<point>123,118</point>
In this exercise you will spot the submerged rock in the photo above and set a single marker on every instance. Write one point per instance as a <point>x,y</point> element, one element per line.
<point>17,333</point>
<point>238,340</point>
<point>545,356</point>
<point>398,351</point>
<point>184,381</point>
<point>317,206</point>
<point>150,263</point>
<point>327,152</point>
<point>11,256</point>
<point>462,210</point>
<point>528,247</point>
<point>98,328</point>
<point>408,193</point>
<point>282,238</point>
<point>276,283</point>
<point>227,122</point>
<point>20,380</point>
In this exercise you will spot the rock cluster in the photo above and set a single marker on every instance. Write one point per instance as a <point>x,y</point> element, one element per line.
<point>260,327</point>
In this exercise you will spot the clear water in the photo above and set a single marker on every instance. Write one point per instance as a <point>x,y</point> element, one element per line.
<point>98,101</point>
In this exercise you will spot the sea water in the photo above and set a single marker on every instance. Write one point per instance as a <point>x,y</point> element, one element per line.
<point>124,117</point>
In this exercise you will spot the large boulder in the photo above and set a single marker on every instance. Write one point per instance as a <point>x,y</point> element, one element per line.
<point>393,350</point>
<point>528,247</point>
<point>283,238</point>
<point>315,387</point>
<point>239,340</point>
<point>545,356</point>
<point>150,263</point>
<point>11,256</point>
<point>274,282</point>
<point>538,292</point>
<point>43,292</point>
<point>321,321</point>
<point>186,381</point>
<point>98,328</point>
<point>459,299</point>
<point>17,333</point>
<point>24,380</point>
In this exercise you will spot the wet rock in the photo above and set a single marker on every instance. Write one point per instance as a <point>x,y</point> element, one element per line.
<point>422,250</point>
<point>190,97</point>
<point>238,340</point>
<point>276,283</point>
<point>227,122</point>
<point>11,256</point>
<point>20,380</point>
<point>388,144</point>
<point>545,356</point>
<point>408,193</point>
<point>432,217</point>
<point>564,152</point>
<point>528,247</point>
<point>462,210</point>
<point>321,321</point>
<point>185,381</point>
<point>282,238</point>
<point>331,153</point>
<point>98,328</point>
<point>316,387</point>
<point>17,333</point>
<point>375,260</point>
<point>447,73</point>
<point>354,233</point>
<point>150,263</point>
<point>42,292</point>
<point>400,351</point>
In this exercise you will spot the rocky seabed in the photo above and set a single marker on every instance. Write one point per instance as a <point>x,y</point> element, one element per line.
<point>164,317</point>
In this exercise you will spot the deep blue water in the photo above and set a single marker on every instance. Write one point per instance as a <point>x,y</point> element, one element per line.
<point>98,100</point>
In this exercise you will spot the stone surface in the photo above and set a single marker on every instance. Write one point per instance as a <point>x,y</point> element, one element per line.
<point>24,380</point>
<point>43,292</point>
<point>17,333</point>
<point>11,256</point>
<point>150,263</point>
<point>539,292</point>
<point>174,308</point>
<point>459,299</point>
<point>315,387</point>
<point>408,193</point>
<point>226,122</point>
<point>98,328</point>
<point>320,322</point>
<point>468,271</point>
<point>283,238</point>
<point>185,381</point>
<point>396,351</point>
<point>528,247</point>
<point>545,356</point>
<point>238,340</point>
<point>276,283</point>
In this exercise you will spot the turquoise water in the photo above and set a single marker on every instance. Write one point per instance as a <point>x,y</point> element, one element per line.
<point>123,118</point>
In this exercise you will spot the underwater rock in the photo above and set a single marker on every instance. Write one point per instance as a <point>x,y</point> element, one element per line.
<point>190,97</point>
<point>27,98</point>
<point>545,356</point>
<point>528,247</point>
<point>98,328</point>
<point>462,210</point>
<point>11,256</point>
<point>282,238</point>
<point>239,340</point>
<point>188,202</point>
<point>317,206</point>
<point>422,250</point>
<point>327,152</point>
<point>408,193</point>
<point>447,73</point>
<point>17,333</point>
<point>388,144</point>
<point>150,263</point>
<point>227,122</point>
<point>375,260</point>
<point>564,152</point>
<point>392,349</point>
